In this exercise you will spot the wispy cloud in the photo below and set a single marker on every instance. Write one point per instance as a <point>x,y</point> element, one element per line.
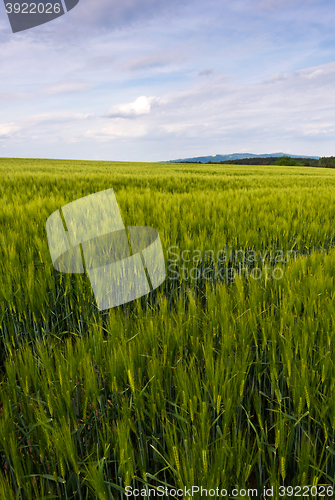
<point>66,88</point>
<point>153,60</point>
<point>206,72</point>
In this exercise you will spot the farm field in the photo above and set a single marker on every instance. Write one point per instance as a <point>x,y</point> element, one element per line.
<point>223,377</point>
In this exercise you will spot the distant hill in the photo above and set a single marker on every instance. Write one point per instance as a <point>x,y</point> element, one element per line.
<point>234,156</point>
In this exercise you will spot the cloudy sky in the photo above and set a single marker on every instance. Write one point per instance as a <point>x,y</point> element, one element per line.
<point>152,80</point>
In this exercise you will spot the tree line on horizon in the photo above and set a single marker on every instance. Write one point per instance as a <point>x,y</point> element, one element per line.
<point>325,161</point>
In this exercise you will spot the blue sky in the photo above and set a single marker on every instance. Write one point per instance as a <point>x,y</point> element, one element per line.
<point>151,80</point>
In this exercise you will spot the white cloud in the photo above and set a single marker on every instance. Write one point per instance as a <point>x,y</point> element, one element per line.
<point>8,129</point>
<point>141,106</point>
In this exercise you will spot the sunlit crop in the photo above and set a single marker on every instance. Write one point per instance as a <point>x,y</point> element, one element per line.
<point>219,383</point>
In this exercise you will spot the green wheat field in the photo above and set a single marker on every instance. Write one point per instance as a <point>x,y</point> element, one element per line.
<point>219,383</point>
